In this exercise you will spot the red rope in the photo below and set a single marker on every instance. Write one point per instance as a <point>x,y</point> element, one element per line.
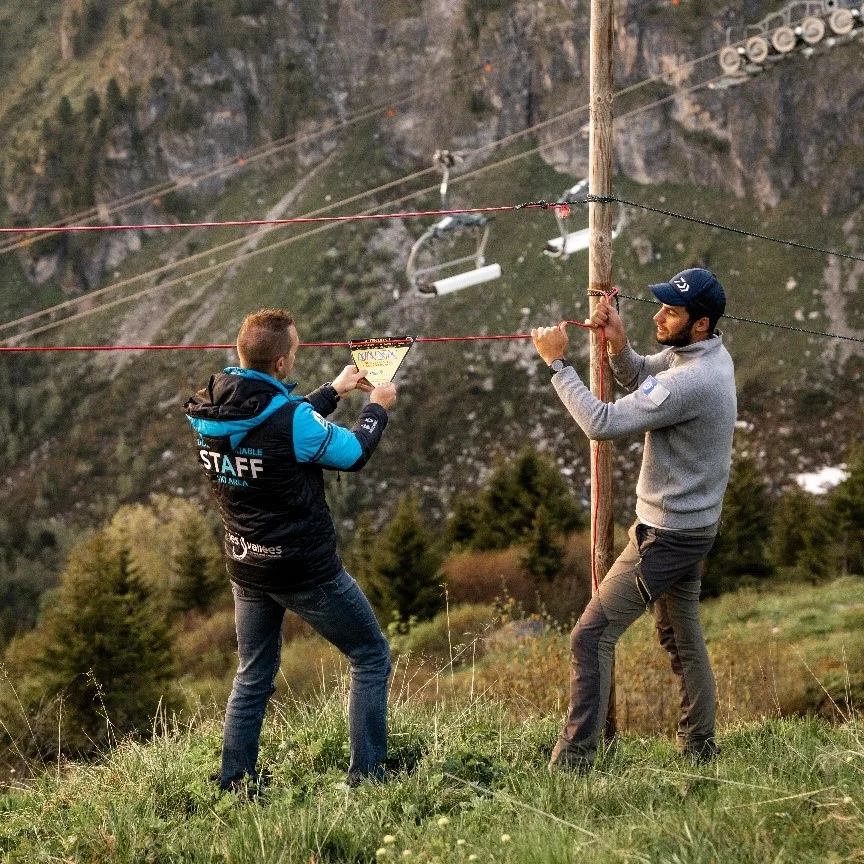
<point>299,220</point>
<point>25,349</point>
<point>205,347</point>
<point>595,579</point>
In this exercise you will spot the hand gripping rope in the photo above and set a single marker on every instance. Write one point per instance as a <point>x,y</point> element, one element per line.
<point>498,337</point>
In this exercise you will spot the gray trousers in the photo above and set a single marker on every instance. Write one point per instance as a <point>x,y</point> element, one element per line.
<point>659,568</point>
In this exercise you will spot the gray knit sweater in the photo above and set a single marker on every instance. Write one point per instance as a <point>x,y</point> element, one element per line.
<point>686,406</point>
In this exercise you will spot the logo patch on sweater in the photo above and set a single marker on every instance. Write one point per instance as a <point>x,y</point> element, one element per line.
<point>654,390</point>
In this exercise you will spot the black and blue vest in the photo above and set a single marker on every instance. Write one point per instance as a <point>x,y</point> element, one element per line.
<point>264,451</point>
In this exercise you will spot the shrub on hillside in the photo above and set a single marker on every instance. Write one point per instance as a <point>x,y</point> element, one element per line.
<point>846,514</point>
<point>101,657</point>
<point>499,576</point>
<point>741,547</point>
<point>400,569</point>
<point>459,633</point>
<point>505,511</point>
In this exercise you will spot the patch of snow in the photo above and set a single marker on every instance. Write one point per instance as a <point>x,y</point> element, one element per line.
<point>821,481</point>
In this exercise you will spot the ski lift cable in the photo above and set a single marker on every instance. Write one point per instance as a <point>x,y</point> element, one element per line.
<point>83,228</point>
<point>207,253</point>
<point>287,241</point>
<point>610,199</point>
<point>223,166</point>
<point>218,266</point>
<point>279,145</point>
<point>727,315</point>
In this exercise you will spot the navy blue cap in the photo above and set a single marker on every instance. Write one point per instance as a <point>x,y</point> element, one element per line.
<point>697,289</point>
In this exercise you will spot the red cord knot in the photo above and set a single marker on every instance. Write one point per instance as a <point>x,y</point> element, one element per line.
<point>562,211</point>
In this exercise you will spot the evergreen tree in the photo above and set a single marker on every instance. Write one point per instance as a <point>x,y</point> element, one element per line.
<point>506,509</point>
<point>464,521</point>
<point>172,550</point>
<point>359,557</point>
<point>196,574</point>
<point>801,536</point>
<point>107,650</point>
<point>65,115</point>
<point>405,566</point>
<point>820,558</point>
<point>92,106</point>
<point>846,514</point>
<point>544,553</point>
<point>741,547</point>
<point>114,102</point>
<point>159,14</point>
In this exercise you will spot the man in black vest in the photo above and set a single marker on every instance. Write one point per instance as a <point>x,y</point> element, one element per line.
<point>264,451</point>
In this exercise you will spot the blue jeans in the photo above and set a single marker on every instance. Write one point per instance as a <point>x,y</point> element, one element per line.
<point>340,612</point>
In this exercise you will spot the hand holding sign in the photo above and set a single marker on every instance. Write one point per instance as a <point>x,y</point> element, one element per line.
<point>380,359</point>
<point>384,395</point>
<point>351,378</point>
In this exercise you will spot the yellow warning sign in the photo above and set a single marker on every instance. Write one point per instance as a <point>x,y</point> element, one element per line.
<point>381,358</point>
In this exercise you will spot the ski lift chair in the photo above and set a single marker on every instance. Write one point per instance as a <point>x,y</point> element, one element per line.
<point>430,281</point>
<point>573,241</point>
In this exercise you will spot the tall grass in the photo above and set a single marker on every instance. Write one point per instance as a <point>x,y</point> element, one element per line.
<point>466,780</point>
<point>475,709</point>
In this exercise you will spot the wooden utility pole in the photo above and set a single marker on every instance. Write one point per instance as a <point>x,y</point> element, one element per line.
<point>600,279</point>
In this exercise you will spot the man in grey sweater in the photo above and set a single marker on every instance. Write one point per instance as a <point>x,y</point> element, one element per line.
<point>683,400</point>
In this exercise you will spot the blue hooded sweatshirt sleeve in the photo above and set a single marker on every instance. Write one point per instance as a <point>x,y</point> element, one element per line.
<point>319,442</point>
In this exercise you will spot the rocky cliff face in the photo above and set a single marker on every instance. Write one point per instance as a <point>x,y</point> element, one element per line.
<point>197,84</point>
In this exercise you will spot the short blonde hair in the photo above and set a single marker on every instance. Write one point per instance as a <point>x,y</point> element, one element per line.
<point>264,337</point>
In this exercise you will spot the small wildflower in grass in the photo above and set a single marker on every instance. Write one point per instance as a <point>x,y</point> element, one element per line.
<point>460,842</point>
<point>383,852</point>
<point>388,838</point>
<point>847,800</point>
<point>472,857</point>
<point>407,853</point>
<point>443,822</point>
<point>505,838</point>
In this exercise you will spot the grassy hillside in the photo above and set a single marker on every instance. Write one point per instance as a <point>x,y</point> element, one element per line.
<point>779,649</point>
<point>468,784</point>
<point>476,701</point>
<point>84,434</point>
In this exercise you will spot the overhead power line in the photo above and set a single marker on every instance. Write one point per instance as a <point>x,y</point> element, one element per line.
<point>774,324</point>
<point>224,166</point>
<point>207,253</point>
<point>742,231</point>
<point>278,146</point>
<point>213,268</point>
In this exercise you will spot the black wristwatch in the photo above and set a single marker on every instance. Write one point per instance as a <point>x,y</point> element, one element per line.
<point>557,365</point>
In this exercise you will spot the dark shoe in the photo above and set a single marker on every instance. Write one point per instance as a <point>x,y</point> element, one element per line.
<point>251,788</point>
<point>376,775</point>
<point>565,761</point>
<point>702,752</point>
